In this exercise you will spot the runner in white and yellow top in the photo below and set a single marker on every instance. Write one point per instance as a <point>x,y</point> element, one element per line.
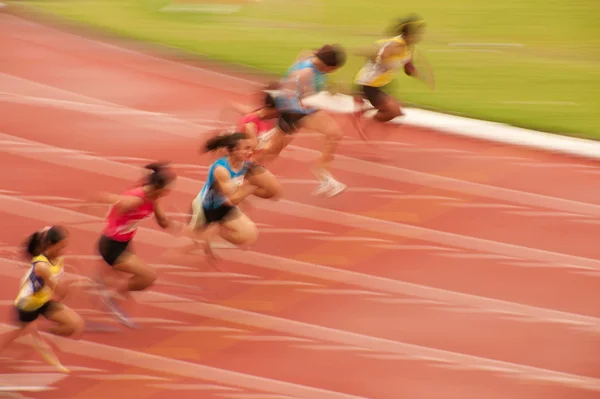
<point>384,61</point>
<point>37,294</point>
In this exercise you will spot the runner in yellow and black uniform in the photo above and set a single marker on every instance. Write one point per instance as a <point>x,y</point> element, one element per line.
<point>384,61</point>
<point>38,287</point>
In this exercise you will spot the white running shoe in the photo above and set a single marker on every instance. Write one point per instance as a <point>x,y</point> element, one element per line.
<point>330,188</point>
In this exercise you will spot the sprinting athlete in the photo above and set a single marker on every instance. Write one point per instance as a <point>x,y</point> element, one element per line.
<point>384,60</point>
<point>258,124</point>
<point>229,182</point>
<point>128,210</point>
<point>307,76</point>
<point>38,293</point>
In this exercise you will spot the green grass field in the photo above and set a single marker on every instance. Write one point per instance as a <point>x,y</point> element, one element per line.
<point>550,82</point>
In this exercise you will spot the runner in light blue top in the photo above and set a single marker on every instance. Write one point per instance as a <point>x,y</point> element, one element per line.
<point>307,76</point>
<point>210,197</point>
<point>230,180</point>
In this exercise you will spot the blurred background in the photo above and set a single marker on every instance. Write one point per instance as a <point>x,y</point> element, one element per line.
<point>530,63</point>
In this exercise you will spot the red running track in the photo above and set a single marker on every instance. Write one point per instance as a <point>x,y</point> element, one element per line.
<point>457,269</point>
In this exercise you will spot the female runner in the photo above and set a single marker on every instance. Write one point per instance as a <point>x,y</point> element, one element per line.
<point>383,61</point>
<point>128,210</point>
<point>304,78</point>
<point>229,182</point>
<point>39,295</point>
<point>256,125</point>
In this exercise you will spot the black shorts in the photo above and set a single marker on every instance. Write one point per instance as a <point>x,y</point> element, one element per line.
<point>289,121</point>
<point>111,250</point>
<point>375,95</point>
<point>27,316</point>
<point>220,214</point>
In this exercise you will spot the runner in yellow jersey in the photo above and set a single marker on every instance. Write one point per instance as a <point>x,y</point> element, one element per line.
<point>38,290</point>
<point>384,61</point>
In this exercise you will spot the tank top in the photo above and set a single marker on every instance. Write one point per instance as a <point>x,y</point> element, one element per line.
<point>380,72</point>
<point>34,292</point>
<point>262,126</point>
<point>209,196</point>
<point>289,100</point>
<point>123,226</point>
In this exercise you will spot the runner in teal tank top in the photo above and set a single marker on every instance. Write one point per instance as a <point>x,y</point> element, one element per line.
<point>306,77</point>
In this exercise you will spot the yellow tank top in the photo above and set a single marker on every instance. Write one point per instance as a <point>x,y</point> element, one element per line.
<point>380,72</point>
<point>34,292</point>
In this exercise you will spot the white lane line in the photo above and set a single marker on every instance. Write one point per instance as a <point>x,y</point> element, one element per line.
<point>22,382</point>
<point>478,205</point>
<point>547,214</point>
<point>418,197</point>
<point>51,214</point>
<point>340,291</point>
<point>415,247</point>
<point>298,329</point>
<point>369,168</point>
<point>163,365</point>
<point>355,340</point>
<point>124,171</point>
<point>267,338</point>
<point>193,387</point>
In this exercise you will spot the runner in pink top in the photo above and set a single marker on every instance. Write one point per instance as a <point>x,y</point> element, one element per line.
<point>128,210</point>
<point>123,226</point>
<point>259,122</point>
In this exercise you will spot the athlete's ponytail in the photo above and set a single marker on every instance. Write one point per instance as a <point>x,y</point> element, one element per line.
<point>160,176</point>
<point>229,141</point>
<point>39,241</point>
<point>33,245</point>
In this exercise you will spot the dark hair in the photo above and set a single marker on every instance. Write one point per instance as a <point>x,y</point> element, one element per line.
<point>269,101</point>
<point>229,141</point>
<point>332,55</point>
<point>407,26</point>
<point>39,241</point>
<point>160,176</point>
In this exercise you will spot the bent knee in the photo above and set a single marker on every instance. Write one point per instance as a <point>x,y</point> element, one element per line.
<point>75,326</point>
<point>150,277</point>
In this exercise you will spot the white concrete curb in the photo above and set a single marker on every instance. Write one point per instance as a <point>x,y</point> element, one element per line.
<point>474,128</point>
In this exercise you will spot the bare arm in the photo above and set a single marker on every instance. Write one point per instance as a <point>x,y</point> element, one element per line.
<point>42,269</point>
<point>234,194</point>
<point>161,216</point>
<point>427,78</point>
<point>252,130</point>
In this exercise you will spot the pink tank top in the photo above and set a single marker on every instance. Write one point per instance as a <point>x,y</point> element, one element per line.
<point>122,227</point>
<point>262,126</point>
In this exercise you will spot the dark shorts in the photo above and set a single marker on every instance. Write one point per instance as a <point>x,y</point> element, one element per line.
<point>27,316</point>
<point>220,214</point>
<point>111,250</point>
<point>375,95</point>
<point>289,121</point>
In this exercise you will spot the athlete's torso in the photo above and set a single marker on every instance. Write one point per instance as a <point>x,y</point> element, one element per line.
<point>290,100</point>
<point>262,126</point>
<point>209,196</point>
<point>123,226</point>
<point>381,72</point>
<point>34,292</point>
